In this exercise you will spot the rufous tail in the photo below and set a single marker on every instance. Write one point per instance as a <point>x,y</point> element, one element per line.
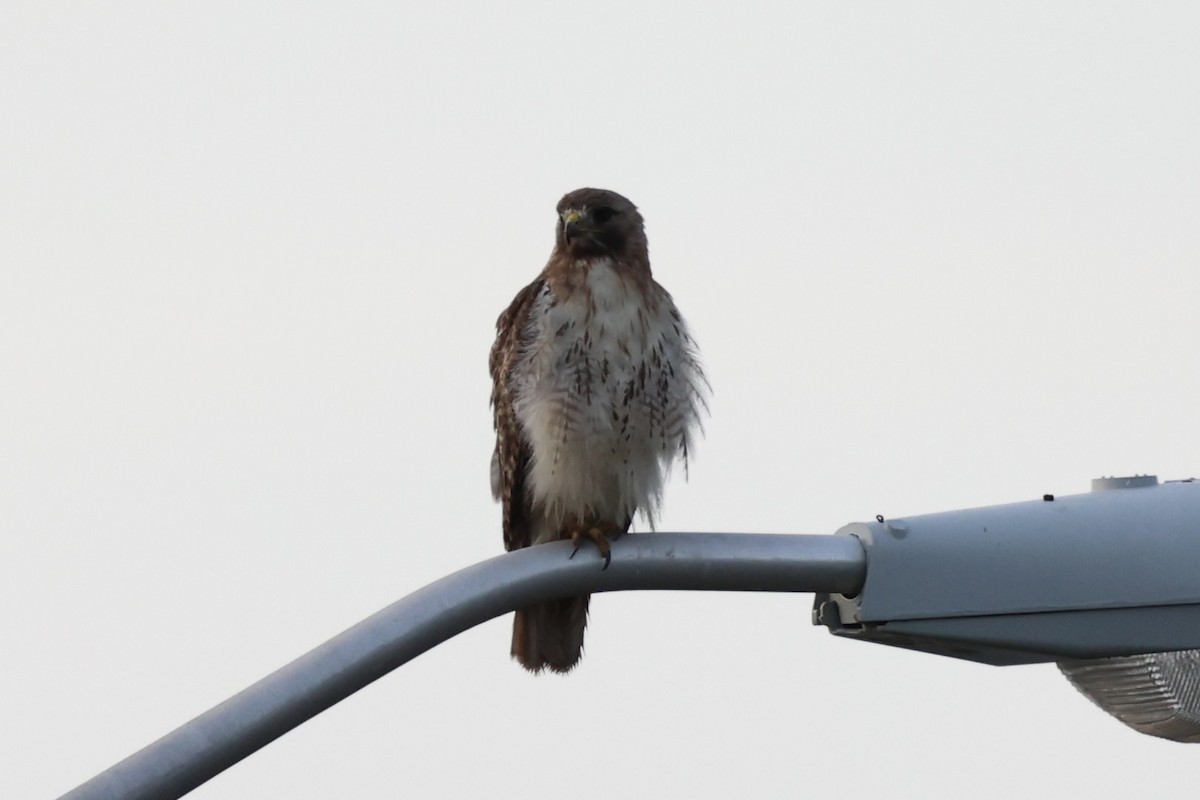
<point>550,635</point>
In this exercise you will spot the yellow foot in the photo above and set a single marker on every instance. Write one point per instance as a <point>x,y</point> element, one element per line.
<point>598,535</point>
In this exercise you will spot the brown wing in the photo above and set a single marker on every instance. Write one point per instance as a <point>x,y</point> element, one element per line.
<point>511,459</point>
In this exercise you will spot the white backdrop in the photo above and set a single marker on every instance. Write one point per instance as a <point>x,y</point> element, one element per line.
<point>251,255</point>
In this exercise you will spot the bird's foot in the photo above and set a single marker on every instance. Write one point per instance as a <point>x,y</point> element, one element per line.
<point>598,534</point>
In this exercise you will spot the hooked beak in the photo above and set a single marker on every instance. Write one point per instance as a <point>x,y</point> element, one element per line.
<point>571,225</point>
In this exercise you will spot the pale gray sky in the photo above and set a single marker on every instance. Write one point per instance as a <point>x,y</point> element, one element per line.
<point>935,255</point>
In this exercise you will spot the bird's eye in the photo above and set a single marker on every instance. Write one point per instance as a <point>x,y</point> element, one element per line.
<point>603,214</point>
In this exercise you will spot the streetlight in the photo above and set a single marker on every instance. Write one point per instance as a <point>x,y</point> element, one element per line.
<point>1105,584</point>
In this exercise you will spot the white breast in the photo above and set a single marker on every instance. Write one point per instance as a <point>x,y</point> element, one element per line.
<point>609,396</point>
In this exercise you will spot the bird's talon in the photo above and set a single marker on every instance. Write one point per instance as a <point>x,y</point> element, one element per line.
<point>597,536</point>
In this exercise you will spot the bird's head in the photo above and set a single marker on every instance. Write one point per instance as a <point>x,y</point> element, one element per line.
<point>596,222</point>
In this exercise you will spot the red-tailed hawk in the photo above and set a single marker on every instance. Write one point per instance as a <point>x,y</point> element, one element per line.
<point>596,390</point>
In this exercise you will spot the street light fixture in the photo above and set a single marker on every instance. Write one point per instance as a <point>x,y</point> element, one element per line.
<point>1105,584</point>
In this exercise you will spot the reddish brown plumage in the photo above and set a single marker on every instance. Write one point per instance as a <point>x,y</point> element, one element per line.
<point>560,385</point>
<point>512,451</point>
<point>550,635</point>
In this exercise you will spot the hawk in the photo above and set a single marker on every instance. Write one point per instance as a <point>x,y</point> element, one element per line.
<point>596,391</point>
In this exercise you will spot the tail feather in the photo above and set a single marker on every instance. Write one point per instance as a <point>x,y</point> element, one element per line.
<point>550,635</point>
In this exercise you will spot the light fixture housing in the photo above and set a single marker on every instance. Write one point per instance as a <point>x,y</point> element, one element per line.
<point>1106,584</point>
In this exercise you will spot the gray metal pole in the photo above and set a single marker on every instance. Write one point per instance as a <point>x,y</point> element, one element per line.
<point>256,716</point>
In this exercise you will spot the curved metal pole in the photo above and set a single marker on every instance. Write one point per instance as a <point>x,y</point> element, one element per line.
<point>256,716</point>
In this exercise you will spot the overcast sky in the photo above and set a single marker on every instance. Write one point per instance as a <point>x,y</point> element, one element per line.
<point>935,255</point>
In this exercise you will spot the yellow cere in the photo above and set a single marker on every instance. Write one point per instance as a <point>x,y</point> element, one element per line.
<point>572,216</point>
